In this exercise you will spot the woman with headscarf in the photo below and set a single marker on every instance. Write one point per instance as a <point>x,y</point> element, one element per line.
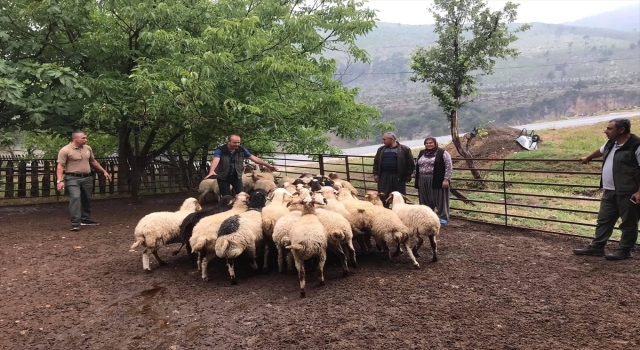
<point>433,174</point>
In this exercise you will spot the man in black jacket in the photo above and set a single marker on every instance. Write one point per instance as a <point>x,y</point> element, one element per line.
<point>392,166</point>
<point>621,196</point>
<point>228,164</point>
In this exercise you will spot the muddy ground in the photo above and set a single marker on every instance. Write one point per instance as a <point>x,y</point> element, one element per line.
<point>493,288</point>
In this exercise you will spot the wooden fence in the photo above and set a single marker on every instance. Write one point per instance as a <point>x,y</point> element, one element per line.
<point>30,178</point>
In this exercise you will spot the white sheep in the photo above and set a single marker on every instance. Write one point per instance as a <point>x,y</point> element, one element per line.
<point>420,219</point>
<point>207,186</point>
<point>242,233</point>
<point>281,238</point>
<point>359,219</point>
<point>270,215</point>
<point>308,239</point>
<point>338,183</point>
<point>265,185</point>
<point>384,225</point>
<point>205,233</point>
<point>160,228</point>
<point>373,197</point>
<point>339,237</point>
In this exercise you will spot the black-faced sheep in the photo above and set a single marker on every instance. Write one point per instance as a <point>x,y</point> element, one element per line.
<point>242,233</point>
<point>186,228</point>
<point>205,232</point>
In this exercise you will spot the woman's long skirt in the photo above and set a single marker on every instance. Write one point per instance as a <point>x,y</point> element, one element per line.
<point>436,199</point>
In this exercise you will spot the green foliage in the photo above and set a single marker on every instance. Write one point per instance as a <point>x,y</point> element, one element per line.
<point>43,145</point>
<point>37,88</point>
<point>470,39</point>
<point>190,71</point>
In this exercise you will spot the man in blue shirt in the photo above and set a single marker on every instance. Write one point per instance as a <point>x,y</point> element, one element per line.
<point>228,164</point>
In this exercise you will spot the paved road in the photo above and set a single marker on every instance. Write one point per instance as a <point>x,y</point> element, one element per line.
<point>370,150</point>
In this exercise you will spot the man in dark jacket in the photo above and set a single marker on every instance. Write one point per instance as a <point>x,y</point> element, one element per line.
<point>392,166</point>
<point>228,164</point>
<point>621,196</point>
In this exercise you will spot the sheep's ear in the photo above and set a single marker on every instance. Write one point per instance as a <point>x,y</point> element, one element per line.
<point>406,199</point>
<point>389,200</point>
<point>381,194</point>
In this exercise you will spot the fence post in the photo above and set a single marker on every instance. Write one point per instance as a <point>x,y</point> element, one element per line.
<point>35,180</point>
<point>321,164</point>
<point>112,171</point>
<point>46,179</point>
<point>346,168</point>
<point>22,178</point>
<point>8,187</point>
<point>504,193</point>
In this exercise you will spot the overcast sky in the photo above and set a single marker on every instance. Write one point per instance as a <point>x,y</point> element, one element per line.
<point>546,11</point>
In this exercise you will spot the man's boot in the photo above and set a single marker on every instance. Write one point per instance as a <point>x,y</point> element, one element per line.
<point>619,254</point>
<point>589,250</point>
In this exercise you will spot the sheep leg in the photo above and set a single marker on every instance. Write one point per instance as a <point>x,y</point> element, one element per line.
<point>301,277</point>
<point>199,262</point>
<point>367,241</point>
<point>280,249</point>
<point>265,265</point>
<point>410,253</point>
<point>155,256</point>
<point>343,258</point>
<point>290,261</point>
<point>348,247</point>
<point>417,246</point>
<point>434,248</point>
<point>145,261</point>
<point>363,247</point>
<point>203,266</point>
<point>385,249</point>
<point>323,259</point>
<point>251,252</point>
<point>232,272</point>
<point>398,250</point>
<point>174,253</point>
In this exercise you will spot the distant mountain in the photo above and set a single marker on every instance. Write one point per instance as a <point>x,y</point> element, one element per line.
<point>626,19</point>
<point>563,70</point>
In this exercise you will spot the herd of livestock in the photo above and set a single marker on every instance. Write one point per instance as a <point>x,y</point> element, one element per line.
<point>302,218</point>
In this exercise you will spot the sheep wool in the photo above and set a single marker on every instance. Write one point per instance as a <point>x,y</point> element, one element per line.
<point>242,233</point>
<point>205,233</point>
<point>420,220</point>
<point>308,239</point>
<point>271,213</point>
<point>160,228</point>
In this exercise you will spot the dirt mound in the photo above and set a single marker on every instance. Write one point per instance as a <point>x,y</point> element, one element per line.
<point>498,142</point>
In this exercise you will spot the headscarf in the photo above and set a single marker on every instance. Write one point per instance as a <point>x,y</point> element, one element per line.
<point>430,153</point>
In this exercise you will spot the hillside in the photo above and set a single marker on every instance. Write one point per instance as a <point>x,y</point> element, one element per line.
<point>626,19</point>
<point>562,71</point>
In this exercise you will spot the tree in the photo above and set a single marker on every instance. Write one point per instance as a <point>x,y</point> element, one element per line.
<point>470,39</point>
<point>37,89</point>
<point>188,73</point>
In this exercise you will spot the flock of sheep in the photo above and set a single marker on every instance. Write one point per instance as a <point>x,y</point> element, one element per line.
<point>302,218</point>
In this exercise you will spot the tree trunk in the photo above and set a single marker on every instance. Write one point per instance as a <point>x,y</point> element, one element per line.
<point>455,138</point>
<point>124,154</point>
